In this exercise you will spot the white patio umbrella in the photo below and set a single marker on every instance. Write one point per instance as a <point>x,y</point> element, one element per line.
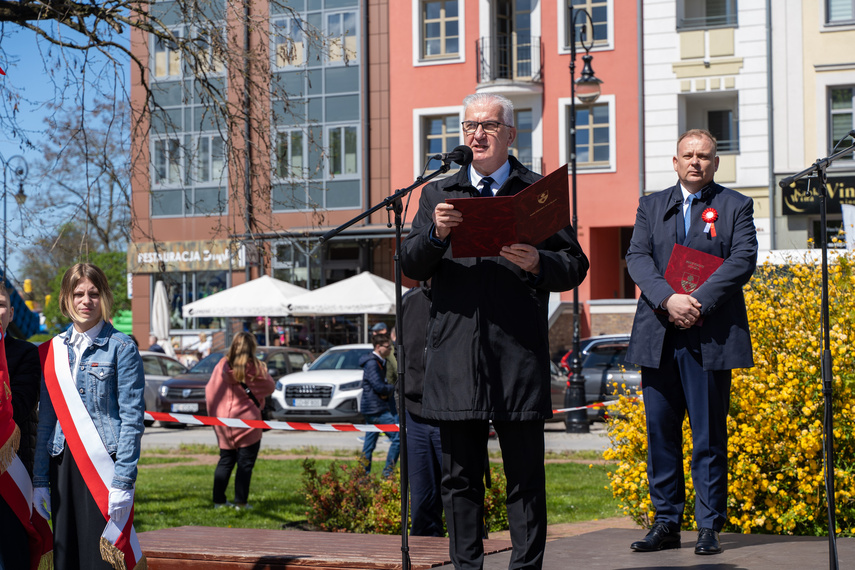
<point>364,293</point>
<point>160,318</point>
<point>261,297</point>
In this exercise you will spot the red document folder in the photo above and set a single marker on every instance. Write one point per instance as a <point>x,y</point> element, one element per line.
<point>689,268</point>
<point>531,216</point>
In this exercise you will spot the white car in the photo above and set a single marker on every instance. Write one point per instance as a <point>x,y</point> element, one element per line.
<point>328,390</point>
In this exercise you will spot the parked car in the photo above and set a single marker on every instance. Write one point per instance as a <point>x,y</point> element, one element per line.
<point>186,393</point>
<point>328,390</point>
<point>158,368</point>
<point>585,344</point>
<point>607,374</point>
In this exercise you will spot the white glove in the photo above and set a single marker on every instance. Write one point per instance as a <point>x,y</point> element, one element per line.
<point>41,501</point>
<point>119,503</point>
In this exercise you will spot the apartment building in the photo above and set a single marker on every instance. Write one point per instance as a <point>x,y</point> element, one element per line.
<point>814,111</point>
<point>210,214</point>
<point>442,50</point>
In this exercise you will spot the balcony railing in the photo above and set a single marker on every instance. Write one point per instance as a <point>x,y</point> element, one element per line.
<point>514,58</point>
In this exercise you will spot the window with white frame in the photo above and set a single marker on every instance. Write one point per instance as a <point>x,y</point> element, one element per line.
<point>343,35</point>
<point>704,14</point>
<point>289,43</point>
<point>596,29</point>
<point>841,108</point>
<point>210,160</point>
<point>441,134</point>
<point>440,28</point>
<point>343,151</point>
<point>289,162</point>
<point>840,12</point>
<point>167,57</point>
<point>211,49</point>
<point>166,159</point>
<point>593,135</point>
<point>722,124</point>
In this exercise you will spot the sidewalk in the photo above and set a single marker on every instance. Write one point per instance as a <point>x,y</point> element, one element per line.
<point>565,530</point>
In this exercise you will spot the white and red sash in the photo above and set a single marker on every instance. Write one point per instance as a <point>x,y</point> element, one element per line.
<point>16,488</point>
<point>119,544</point>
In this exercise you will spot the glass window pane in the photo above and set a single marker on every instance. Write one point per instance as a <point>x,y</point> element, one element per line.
<point>451,8</point>
<point>297,152</point>
<point>335,151</point>
<point>601,135</point>
<point>432,30</point>
<point>434,126</point>
<point>350,146</point>
<point>432,9</point>
<point>452,124</point>
<point>583,116</point>
<point>840,125</point>
<point>601,153</point>
<point>433,47</point>
<point>601,114</point>
<point>582,154</point>
<point>583,137</point>
<point>451,28</point>
<point>167,203</point>
<point>841,98</point>
<point>282,155</point>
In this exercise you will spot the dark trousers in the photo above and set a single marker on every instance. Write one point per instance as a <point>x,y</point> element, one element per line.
<point>77,520</point>
<point>14,542</point>
<point>245,458</point>
<point>424,464</point>
<point>464,448</point>
<point>679,386</point>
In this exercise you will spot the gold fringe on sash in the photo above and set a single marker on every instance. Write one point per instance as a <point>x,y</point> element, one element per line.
<point>9,449</point>
<point>116,558</point>
<point>46,563</point>
<point>112,555</point>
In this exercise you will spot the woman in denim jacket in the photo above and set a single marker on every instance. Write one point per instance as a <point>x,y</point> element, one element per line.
<point>108,374</point>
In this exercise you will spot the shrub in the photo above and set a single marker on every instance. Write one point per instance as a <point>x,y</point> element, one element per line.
<point>775,426</point>
<point>346,499</point>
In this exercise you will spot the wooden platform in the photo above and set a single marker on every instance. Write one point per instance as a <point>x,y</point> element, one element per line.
<point>195,547</point>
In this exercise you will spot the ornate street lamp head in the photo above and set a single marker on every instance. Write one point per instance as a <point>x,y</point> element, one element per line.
<point>588,86</point>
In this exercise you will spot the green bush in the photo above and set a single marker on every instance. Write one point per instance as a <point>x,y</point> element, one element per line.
<point>346,499</point>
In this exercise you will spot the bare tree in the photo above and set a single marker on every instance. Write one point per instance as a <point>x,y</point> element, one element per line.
<point>85,176</point>
<point>216,55</point>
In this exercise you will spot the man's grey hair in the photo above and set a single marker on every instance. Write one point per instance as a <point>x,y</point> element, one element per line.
<point>491,99</point>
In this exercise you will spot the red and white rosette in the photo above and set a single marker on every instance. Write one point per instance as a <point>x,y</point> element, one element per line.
<point>709,216</point>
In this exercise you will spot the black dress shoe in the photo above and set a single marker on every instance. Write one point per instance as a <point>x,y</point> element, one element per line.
<point>707,542</point>
<point>660,537</point>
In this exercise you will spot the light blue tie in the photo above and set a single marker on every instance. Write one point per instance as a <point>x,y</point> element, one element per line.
<point>687,217</point>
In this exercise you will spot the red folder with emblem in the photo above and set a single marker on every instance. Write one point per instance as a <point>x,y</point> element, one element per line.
<point>530,216</point>
<point>689,268</point>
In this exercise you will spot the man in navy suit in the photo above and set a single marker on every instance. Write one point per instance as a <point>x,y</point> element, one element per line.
<point>687,345</point>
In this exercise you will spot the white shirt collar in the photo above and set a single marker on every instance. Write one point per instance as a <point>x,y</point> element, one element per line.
<point>499,176</point>
<point>87,337</point>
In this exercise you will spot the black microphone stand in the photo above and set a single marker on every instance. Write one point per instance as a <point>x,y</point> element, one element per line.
<point>818,170</point>
<point>393,203</point>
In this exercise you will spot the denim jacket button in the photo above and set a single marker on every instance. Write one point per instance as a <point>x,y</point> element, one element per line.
<point>82,391</point>
<point>82,368</point>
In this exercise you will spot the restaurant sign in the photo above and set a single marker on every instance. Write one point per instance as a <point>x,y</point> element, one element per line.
<point>798,200</point>
<point>178,256</point>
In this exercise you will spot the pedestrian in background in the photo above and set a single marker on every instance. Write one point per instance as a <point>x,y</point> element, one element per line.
<point>378,404</point>
<point>237,389</point>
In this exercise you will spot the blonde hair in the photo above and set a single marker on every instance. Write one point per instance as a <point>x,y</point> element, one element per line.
<point>72,278</point>
<point>241,354</point>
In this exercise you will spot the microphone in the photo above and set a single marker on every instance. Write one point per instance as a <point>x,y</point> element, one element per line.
<point>462,155</point>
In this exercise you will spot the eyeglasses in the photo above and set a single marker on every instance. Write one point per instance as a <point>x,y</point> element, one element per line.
<point>489,127</point>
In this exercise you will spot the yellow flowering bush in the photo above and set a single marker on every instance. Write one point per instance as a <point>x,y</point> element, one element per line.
<point>775,451</point>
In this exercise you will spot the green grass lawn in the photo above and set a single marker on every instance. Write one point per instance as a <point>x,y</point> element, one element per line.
<point>170,496</point>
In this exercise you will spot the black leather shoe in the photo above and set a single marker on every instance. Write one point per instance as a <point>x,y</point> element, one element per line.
<point>707,542</point>
<point>660,537</point>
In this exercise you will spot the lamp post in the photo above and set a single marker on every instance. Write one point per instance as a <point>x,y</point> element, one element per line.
<point>587,88</point>
<point>19,169</point>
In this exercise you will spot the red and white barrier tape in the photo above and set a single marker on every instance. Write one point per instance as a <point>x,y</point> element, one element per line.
<point>302,426</point>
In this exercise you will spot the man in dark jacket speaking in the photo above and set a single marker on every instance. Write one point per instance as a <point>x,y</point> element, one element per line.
<point>487,353</point>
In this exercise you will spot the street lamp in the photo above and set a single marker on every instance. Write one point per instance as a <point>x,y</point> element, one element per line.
<point>587,89</point>
<point>19,169</point>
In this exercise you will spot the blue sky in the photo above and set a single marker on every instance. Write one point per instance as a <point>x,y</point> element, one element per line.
<point>22,57</point>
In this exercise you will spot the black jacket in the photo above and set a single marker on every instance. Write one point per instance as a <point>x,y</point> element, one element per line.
<point>487,354</point>
<point>25,376</point>
<point>415,315</point>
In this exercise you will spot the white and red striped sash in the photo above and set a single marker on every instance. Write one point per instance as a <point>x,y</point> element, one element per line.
<point>119,544</point>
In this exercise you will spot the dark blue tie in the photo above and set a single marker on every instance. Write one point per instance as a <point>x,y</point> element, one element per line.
<point>487,188</point>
